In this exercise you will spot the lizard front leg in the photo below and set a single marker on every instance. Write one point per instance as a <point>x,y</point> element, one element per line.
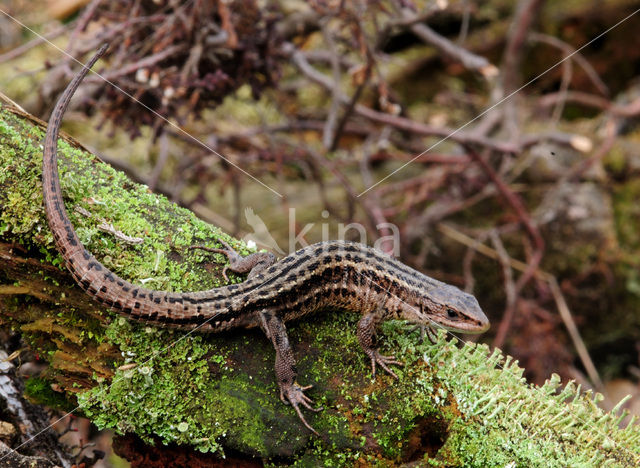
<point>366,333</point>
<point>252,264</point>
<point>429,331</point>
<point>286,372</point>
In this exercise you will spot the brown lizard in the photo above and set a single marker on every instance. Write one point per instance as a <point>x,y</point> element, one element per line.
<point>327,274</point>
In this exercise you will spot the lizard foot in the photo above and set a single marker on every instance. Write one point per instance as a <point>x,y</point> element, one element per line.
<point>426,331</point>
<point>383,361</point>
<point>251,264</point>
<point>294,394</point>
<point>228,252</point>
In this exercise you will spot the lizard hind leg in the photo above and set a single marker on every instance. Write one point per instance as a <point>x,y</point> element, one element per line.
<point>251,264</point>
<point>290,391</point>
<point>366,333</point>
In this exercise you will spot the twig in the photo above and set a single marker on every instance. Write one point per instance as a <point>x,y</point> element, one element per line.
<point>351,105</point>
<point>18,51</point>
<point>629,110</point>
<point>520,210</point>
<point>373,204</point>
<point>561,304</point>
<point>567,73</point>
<point>576,172</point>
<point>83,21</point>
<point>509,288</point>
<point>574,333</point>
<point>401,123</point>
<point>442,208</point>
<point>107,227</point>
<point>329,134</point>
<point>464,26</point>
<point>143,63</point>
<point>10,290</point>
<point>468,59</point>
<point>526,12</point>
<point>467,262</point>
<point>577,57</point>
<point>427,158</point>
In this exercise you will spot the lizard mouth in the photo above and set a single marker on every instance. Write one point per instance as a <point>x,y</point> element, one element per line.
<point>473,328</point>
<point>476,327</point>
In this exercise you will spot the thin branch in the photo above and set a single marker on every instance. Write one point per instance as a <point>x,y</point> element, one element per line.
<point>516,204</point>
<point>567,74</point>
<point>577,57</point>
<point>398,122</point>
<point>509,288</point>
<point>82,23</point>
<point>140,64</point>
<point>628,110</point>
<point>329,133</point>
<point>351,105</point>
<point>526,13</point>
<point>468,59</point>
<point>24,48</point>
<point>163,158</point>
<point>561,304</point>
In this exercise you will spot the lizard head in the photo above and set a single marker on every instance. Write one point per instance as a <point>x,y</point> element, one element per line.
<point>450,308</point>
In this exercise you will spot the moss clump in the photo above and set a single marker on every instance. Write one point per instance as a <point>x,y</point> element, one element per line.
<point>40,392</point>
<point>166,229</point>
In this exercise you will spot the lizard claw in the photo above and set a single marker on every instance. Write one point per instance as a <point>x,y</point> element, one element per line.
<point>383,361</point>
<point>294,394</point>
<point>427,331</point>
<point>224,273</point>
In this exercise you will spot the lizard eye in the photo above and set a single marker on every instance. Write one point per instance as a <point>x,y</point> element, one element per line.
<point>452,313</point>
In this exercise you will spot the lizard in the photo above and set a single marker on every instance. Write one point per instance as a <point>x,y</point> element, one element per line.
<point>330,274</point>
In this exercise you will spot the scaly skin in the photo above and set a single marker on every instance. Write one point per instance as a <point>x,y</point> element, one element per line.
<point>328,274</point>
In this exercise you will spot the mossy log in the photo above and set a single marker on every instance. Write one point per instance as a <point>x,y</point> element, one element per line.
<point>452,405</point>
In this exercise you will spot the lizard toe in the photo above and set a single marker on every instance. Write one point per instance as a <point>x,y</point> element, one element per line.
<point>384,362</point>
<point>295,396</point>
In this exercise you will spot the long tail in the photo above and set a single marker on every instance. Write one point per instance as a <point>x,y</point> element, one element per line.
<point>65,236</point>
<point>172,309</point>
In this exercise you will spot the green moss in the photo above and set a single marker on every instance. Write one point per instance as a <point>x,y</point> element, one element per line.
<point>39,390</point>
<point>627,212</point>
<point>108,195</point>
